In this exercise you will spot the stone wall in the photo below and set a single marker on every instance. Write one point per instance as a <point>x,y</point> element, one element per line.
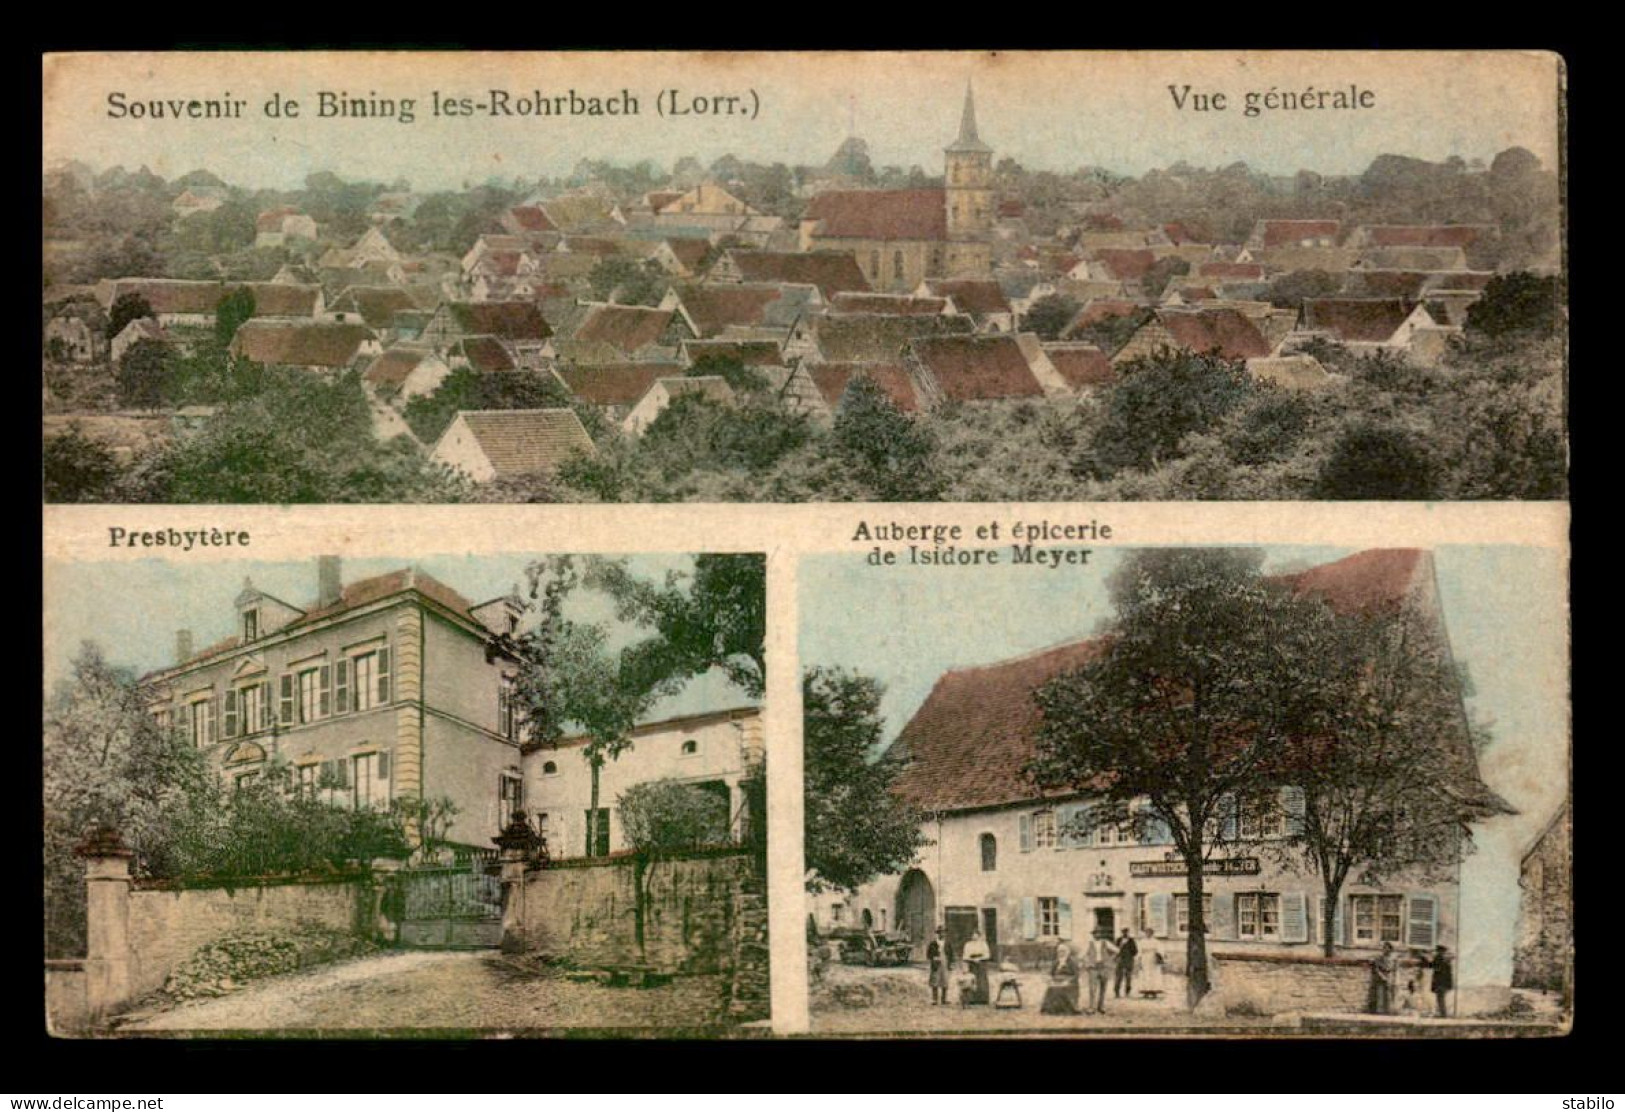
<point>1299,983</point>
<point>169,924</point>
<point>587,912</point>
<point>67,1008</point>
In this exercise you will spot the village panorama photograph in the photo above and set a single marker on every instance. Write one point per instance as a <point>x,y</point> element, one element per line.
<point>458,797</point>
<point>1260,792</point>
<point>892,277</point>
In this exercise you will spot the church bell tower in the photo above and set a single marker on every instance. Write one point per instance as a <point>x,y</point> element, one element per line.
<point>969,196</point>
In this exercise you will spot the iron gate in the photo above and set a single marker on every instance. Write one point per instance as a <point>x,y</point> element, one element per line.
<point>457,906</point>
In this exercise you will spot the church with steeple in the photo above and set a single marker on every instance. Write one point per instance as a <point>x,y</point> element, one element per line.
<point>901,237</point>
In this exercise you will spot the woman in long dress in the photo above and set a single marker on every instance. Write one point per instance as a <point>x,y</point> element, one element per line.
<point>1061,997</point>
<point>1150,967</point>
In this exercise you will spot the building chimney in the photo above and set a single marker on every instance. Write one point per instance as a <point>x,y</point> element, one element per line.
<point>329,586</point>
<point>183,646</point>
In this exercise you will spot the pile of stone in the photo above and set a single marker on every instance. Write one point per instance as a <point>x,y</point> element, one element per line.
<point>231,962</point>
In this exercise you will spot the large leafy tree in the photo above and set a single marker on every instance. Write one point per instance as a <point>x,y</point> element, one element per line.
<point>856,829</point>
<point>1384,785</point>
<point>1210,670</point>
<point>883,448</point>
<point>106,760</point>
<point>713,617</point>
<point>126,308</point>
<point>1160,400</point>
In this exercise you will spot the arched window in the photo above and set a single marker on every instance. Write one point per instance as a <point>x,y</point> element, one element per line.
<point>550,768</point>
<point>990,853</point>
<point>868,920</point>
<point>690,747</point>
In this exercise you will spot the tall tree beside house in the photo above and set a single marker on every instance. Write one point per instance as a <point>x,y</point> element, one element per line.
<point>144,373</point>
<point>126,307</point>
<point>1378,789</point>
<point>663,819</point>
<point>714,617</point>
<point>1208,673</point>
<point>230,314</point>
<point>1050,315</point>
<point>106,760</point>
<point>626,282</point>
<point>568,679</point>
<point>1156,403</point>
<point>856,829</point>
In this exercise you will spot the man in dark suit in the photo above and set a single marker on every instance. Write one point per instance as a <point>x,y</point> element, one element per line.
<point>1444,978</point>
<point>1127,951</point>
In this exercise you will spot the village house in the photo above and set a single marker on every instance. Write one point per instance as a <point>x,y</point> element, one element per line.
<point>830,382</point>
<point>889,304</point>
<point>664,391</point>
<point>133,333</point>
<point>279,226</point>
<point>981,299</point>
<point>484,354</point>
<point>879,338</point>
<point>487,444</point>
<point>901,237</point>
<point>715,751</point>
<point>1225,332</point>
<point>519,324</point>
<point>373,247</point>
<point>177,302</point>
<point>72,339</point>
<point>319,346</point>
<point>404,372</point>
<point>612,333</point>
<point>1029,870</point>
<point>1294,233</point>
<point>1364,324</point>
<point>833,272</point>
<point>980,368</point>
<point>190,202</point>
<point>377,307</point>
<point>613,387</point>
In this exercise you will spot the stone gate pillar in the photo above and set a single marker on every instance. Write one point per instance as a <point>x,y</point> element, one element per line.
<point>517,843</point>
<point>107,919</point>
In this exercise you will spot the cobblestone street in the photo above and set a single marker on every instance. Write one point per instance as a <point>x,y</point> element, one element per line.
<point>450,993</point>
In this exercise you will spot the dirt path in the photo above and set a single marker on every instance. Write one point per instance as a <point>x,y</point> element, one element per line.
<point>443,992</point>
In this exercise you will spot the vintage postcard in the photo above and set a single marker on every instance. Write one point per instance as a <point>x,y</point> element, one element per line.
<point>802,277</point>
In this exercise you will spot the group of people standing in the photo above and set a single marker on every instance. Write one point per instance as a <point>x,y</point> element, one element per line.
<point>1387,996</point>
<point>1103,961</point>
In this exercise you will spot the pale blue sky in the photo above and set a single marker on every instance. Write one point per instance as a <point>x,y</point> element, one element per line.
<point>1505,609</point>
<point>1049,111</point>
<point>132,609</point>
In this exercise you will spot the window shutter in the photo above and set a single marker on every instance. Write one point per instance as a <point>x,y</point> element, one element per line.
<point>1294,917</point>
<point>265,705</point>
<point>1422,921</point>
<point>209,720</point>
<point>1065,920</point>
<point>324,689</point>
<point>342,768</point>
<point>1223,923</point>
<point>383,765</point>
<point>1171,924</point>
<point>383,675</point>
<point>1026,833</point>
<point>1293,803</point>
<point>286,709</point>
<point>329,774</point>
<point>231,712</point>
<point>1161,912</point>
<point>1029,918</point>
<point>341,686</point>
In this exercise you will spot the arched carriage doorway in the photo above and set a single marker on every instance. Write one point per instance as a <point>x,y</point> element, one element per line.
<point>916,909</point>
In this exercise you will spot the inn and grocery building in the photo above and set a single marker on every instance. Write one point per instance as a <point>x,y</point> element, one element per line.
<point>397,686</point>
<point>1027,870</point>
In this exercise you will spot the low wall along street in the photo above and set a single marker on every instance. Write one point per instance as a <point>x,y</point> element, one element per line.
<point>588,911</point>
<point>1294,983</point>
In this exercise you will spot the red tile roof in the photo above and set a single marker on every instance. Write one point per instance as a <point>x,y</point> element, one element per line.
<point>883,214</point>
<point>1100,309</point>
<point>1358,320</point>
<point>1245,272</point>
<point>1226,331</point>
<point>1283,233</point>
<point>614,383</point>
<point>1084,366</point>
<point>1126,264</point>
<point>832,379</point>
<point>887,303</point>
<point>832,272</point>
<point>391,368</point>
<point>300,344</point>
<point>752,353</point>
<point>526,441</point>
<point>626,328</point>
<point>979,297</point>
<point>376,305</point>
<point>486,354</point>
<point>511,320</point>
<point>977,368</point>
<point>713,308</point>
<point>971,739</point>
<point>531,218</point>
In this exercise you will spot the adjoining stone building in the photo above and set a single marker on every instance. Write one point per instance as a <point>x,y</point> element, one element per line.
<point>1013,862</point>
